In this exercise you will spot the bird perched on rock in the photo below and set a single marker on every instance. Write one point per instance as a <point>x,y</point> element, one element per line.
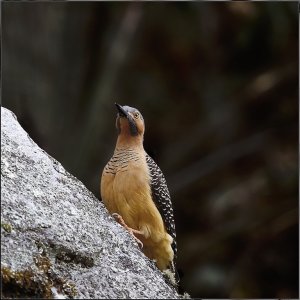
<point>134,190</point>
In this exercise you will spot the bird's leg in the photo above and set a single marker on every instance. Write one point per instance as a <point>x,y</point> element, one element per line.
<point>132,231</point>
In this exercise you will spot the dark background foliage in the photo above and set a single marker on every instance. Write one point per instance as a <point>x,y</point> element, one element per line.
<point>217,83</point>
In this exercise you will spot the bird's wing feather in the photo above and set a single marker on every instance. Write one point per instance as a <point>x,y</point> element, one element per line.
<point>162,199</point>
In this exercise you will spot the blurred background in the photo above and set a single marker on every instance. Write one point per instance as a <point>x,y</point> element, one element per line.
<point>217,84</point>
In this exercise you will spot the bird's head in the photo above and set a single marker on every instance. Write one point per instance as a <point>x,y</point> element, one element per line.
<point>129,121</point>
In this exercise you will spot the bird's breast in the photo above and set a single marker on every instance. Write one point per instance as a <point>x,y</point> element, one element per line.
<point>125,185</point>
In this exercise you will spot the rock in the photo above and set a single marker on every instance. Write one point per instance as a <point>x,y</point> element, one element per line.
<point>57,238</point>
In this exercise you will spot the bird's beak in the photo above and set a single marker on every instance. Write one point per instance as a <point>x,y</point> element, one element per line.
<point>121,111</point>
<point>124,113</point>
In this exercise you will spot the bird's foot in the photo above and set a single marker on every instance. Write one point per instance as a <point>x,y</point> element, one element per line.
<point>132,231</point>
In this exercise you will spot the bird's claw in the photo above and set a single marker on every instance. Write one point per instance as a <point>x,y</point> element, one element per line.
<point>118,218</point>
<point>121,221</point>
<point>139,242</point>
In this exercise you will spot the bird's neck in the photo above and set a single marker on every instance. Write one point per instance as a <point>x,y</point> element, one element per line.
<point>129,141</point>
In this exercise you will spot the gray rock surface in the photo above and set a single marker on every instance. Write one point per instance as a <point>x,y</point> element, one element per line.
<point>57,238</point>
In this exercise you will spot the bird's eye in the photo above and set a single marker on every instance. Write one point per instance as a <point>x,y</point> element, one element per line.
<point>136,115</point>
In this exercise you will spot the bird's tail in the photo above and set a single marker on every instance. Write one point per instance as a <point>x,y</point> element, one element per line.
<point>172,275</point>
<point>175,272</point>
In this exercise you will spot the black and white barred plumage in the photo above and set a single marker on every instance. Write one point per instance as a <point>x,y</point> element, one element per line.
<point>162,199</point>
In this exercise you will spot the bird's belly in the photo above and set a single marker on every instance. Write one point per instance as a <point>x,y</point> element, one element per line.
<point>128,193</point>
<point>131,192</point>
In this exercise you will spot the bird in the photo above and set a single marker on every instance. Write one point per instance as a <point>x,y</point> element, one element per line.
<point>134,190</point>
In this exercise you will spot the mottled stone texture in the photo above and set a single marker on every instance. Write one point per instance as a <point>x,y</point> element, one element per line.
<point>57,237</point>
